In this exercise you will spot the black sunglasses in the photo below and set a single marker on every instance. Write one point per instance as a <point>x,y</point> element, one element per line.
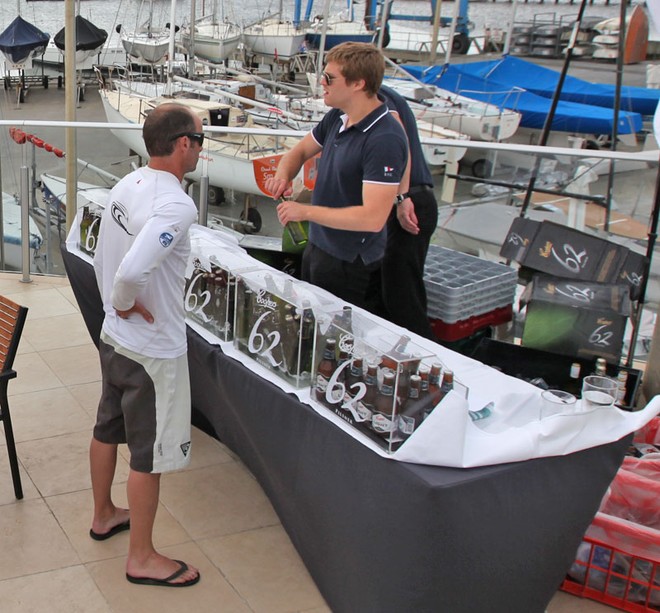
<point>328,78</point>
<point>198,137</point>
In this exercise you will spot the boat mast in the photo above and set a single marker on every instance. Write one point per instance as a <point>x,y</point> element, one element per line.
<point>324,31</point>
<point>509,34</point>
<point>191,49</point>
<point>170,55</point>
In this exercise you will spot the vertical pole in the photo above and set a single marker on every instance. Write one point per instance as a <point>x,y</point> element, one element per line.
<point>204,200</point>
<point>2,223</point>
<point>191,51</point>
<point>436,26</point>
<point>70,96</point>
<point>25,224</point>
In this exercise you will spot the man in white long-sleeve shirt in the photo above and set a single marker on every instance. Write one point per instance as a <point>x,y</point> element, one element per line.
<point>140,264</point>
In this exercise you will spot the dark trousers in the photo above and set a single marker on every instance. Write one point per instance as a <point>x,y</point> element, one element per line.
<point>402,272</point>
<point>346,280</point>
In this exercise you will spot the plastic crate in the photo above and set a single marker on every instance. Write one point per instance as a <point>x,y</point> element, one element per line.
<point>454,331</point>
<point>614,576</point>
<point>618,561</point>
<point>470,306</point>
<point>460,286</point>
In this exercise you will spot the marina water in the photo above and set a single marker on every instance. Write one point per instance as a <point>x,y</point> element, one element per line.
<point>49,16</point>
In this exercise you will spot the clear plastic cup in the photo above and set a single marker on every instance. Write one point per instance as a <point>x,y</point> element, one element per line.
<point>554,402</point>
<point>598,392</point>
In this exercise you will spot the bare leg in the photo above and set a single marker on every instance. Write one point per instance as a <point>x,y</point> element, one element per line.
<point>143,559</point>
<point>102,462</point>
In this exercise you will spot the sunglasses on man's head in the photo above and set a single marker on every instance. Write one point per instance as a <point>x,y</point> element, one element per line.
<point>198,137</point>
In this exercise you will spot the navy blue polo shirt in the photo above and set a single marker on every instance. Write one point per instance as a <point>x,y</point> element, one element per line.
<point>375,150</point>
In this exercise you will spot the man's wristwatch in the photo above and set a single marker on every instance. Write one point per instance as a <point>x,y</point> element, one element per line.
<point>400,198</point>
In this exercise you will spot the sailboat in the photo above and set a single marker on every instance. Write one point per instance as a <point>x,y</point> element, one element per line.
<point>337,28</point>
<point>211,38</point>
<point>475,118</point>
<point>238,161</point>
<point>274,36</point>
<point>146,43</point>
<point>20,41</point>
<point>89,39</point>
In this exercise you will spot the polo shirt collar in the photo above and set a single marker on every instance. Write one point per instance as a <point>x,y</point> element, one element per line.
<point>367,122</point>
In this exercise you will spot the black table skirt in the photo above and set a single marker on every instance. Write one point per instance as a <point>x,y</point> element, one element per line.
<point>384,536</point>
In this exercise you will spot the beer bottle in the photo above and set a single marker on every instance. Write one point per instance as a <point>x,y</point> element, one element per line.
<point>289,293</point>
<point>434,382</point>
<point>307,329</point>
<point>231,305</point>
<point>355,375</point>
<point>343,357</point>
<point>371,382</point>
<point>447,383</point>
<point>219,299</point>
<point>347,318</point>
<point>413,413</point>
<point>415,389</point>
<point>290,344</point>
<point>244,317</point>
<point>622,383</point>
<point>600,368</point>
<point>384,416</point>
<point>297,233</point>
<point>326,368</point>
<point>424,373</point>
<point>395,355</point>
<point>574,385</point>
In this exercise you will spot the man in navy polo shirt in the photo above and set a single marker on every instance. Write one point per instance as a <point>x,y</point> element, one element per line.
<point>364,153</point>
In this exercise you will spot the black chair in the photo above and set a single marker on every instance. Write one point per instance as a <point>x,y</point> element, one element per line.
<point>12,319</point>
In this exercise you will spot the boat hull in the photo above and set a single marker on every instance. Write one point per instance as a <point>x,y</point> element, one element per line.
<point>227,171</point>
<point>280,40</point>
<point>150,49</point>
<point>214,42</point>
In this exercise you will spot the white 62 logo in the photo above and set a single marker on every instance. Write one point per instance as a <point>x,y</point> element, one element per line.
<point>570,259</point>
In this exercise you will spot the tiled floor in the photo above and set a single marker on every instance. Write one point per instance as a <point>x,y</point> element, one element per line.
<point>213,514</point>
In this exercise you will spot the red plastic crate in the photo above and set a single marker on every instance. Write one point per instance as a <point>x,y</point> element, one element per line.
<point>633,585</point>
<point>467,327</point>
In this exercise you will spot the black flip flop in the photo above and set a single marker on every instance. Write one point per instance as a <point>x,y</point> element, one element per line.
<point>106,535</point>
<point>168,581</point>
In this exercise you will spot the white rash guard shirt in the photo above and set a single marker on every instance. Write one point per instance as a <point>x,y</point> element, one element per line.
<point>142,254</point>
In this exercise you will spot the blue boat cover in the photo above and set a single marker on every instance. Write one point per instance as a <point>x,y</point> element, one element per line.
<point>569,116</point>
<point>20,39</point>
<point>543,81</point>
<point>88,36</point>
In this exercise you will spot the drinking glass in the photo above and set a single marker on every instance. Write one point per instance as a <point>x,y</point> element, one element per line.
<point>554,402</point>
<point>598,392</point>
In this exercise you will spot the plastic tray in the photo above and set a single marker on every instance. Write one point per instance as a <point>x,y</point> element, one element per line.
<point>470,307</point>
<point>460,286</point>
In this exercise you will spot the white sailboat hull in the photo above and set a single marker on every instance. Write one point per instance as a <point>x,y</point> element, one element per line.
<point>227,162</point>
<point>214,42</point>
<point>478,120</point>
<point>271,37</point>
<point>149,48</point>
